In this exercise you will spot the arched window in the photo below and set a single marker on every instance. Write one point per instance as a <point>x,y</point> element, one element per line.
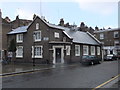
<point>37,26</point>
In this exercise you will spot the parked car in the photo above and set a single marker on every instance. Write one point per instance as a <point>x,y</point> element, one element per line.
<point>110,57</point>
<point>89,59</point>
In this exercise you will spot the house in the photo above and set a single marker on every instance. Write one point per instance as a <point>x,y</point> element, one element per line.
<point>5,26</point>
<point>110,39</point>
<point>41,41</point>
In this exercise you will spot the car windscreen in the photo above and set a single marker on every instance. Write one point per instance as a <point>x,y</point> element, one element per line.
<point>88,57</point>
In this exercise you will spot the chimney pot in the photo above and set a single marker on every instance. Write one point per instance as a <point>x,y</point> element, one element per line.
<point>17,17</point>
<point>61,22</point>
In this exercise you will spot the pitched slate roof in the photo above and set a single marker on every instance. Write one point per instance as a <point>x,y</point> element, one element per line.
<point>77,36</point>
<point>22,29</point>
<point>82,37</point>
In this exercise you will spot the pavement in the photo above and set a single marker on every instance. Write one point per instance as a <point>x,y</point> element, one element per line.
<point>17,68</point>
<point>116,84</point>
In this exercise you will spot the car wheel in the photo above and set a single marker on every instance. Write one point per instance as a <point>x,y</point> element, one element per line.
<point>99,62</point>
<point>92,63</point>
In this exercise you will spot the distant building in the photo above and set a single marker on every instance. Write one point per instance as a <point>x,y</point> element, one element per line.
<point>6,25</point>
<point>110,39</point>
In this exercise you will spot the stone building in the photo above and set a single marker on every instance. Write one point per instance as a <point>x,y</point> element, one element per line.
<point>42,42</point>
<point>110,39</point>
<point>6,25</point>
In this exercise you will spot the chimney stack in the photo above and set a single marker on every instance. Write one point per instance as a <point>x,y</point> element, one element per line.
<point>96,28</point>
<point>61,22</point>
<point>82,25</point>
<point>67,25</point>
<point>34,16</point>
<point>7,19</point>
<point>17,17</point>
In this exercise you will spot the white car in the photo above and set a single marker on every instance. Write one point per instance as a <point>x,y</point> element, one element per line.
<point>109,57</point>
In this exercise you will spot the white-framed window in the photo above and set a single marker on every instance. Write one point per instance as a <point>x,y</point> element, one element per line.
<point>37,51</point>
<point>116,34</point>
<point>19,52</point>
<point>37,36</point>
<point>77,50</point>
<point>19,38</point>
<point>98,50</point>
<point>116,42</point>
<point>101,36</point>
<point>56,34</point>
<point>85,50</point>
<point>92,50</point>
<point>37,26</point>
<point>67,50</point>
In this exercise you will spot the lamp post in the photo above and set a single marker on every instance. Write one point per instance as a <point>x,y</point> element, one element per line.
<point>33,49</point>
<point>102,48</point>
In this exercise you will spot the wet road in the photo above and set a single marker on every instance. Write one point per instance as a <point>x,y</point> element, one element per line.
<point>77,76</point>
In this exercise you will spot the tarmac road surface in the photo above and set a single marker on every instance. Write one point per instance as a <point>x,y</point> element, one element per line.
<point>75,76</point>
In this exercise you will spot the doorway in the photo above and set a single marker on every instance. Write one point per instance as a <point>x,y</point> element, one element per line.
<point>58,55</point>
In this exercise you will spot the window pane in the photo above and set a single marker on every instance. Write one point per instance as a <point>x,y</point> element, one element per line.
<point>19,51</point>
<point>101,36</point>
<point>37,25</point>
<point>77,50</point>
<point>37,35</point>
<point>92,50</point>
<point>38,51</point>
<point>19,37</point>
<point>85,50</point>
<point>98,50</point>
<point>56,35</point>
<point>116,35</point>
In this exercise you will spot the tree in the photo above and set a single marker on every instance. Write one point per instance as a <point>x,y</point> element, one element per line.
<point>12,47</point>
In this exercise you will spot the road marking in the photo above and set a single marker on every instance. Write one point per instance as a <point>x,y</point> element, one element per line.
<point>42,70</point>
<point>106,82</point>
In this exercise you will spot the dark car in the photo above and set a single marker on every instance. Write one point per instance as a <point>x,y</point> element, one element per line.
<point>89,59</point>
